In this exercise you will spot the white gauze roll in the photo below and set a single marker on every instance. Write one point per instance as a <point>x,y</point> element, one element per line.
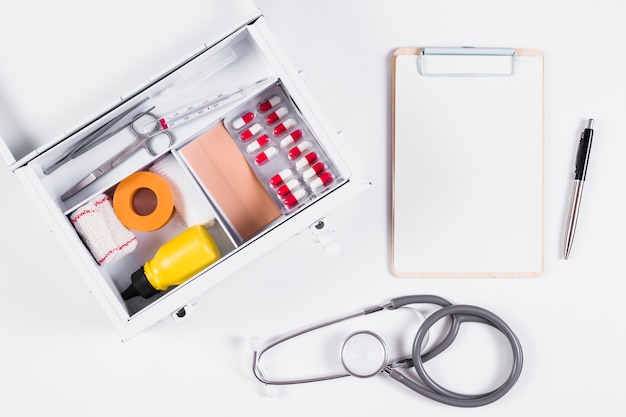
<point>106,238</point>
<point>189,201</point>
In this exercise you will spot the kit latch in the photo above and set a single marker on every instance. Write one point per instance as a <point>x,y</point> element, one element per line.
<point>325,236</point>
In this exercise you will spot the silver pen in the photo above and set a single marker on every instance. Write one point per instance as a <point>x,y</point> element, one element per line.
<point>582,159</point>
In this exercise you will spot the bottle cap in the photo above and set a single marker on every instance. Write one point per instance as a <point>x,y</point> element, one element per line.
<point>139,286</point>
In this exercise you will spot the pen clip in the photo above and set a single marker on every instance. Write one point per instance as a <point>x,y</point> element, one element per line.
<point>584,149</point>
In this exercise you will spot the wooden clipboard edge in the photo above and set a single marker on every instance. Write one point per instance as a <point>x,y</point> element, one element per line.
<point>403,274</point>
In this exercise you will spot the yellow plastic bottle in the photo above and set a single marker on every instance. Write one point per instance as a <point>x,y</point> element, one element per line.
<point>175,262</point>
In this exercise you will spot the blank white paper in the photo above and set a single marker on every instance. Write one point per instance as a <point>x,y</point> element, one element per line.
<point>468,172</point>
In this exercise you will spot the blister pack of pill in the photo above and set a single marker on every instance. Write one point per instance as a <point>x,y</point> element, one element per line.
<point>280,148</point>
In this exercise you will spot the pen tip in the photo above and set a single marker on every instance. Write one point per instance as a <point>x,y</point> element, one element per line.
<point>590,124</point>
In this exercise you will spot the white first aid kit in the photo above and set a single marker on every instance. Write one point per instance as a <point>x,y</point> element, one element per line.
<point>167,145</point>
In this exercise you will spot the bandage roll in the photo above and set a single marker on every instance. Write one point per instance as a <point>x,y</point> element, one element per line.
<point>190,202</point>
<point>101,231</point>
<point>124,202</point>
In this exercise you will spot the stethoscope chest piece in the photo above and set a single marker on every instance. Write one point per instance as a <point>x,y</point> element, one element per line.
<point>364,354</point>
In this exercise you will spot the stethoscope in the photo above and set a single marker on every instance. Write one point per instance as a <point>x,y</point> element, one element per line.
<point>378,362</point>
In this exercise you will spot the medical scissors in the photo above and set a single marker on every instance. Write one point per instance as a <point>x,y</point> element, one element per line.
<point>457,314</point>
<point>142,140</point>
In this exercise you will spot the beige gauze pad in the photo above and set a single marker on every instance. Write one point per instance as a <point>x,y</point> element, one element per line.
<point>223,171</point>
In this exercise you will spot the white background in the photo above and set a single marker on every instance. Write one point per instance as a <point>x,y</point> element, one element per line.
<point>60,355</point>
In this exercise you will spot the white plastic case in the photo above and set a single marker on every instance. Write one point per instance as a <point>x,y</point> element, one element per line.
<point>236,54</point>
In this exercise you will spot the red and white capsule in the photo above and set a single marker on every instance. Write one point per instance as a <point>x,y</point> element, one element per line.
<point>265,156</point>
<point>277,115</point>
<point>250,132</point>
<point>243,120</point>
<point>297,150</point>
<point>284,175</point>
<point>315,169</point>
<point>258,144</point>
<point>284,126</point>
<point>306,160</point>
<point>293,199</point>
<point>322,180</point>
<point>268,104</point>
<point>291,138</point>
<point>287,188</point>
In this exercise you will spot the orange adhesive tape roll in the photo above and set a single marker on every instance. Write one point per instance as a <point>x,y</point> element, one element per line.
<point>124,205</point>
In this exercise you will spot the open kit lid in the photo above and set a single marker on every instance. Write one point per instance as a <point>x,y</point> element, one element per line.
<point>59,72</point>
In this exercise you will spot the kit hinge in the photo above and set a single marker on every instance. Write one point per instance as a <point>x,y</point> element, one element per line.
<point>325,236</point>
<point>184,312</point>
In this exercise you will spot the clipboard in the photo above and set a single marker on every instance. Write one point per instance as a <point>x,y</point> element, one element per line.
<point>467,162</point>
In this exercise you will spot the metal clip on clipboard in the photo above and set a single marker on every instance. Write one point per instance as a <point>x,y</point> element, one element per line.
<point>466,62</point>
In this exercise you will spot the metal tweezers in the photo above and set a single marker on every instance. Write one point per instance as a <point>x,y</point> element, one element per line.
<point>93,139</point>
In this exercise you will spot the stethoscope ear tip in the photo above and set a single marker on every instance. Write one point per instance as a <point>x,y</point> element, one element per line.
<point>255,343</point>
<point>271,391</point>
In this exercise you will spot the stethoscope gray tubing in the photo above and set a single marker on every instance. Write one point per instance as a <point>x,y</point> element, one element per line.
<point>458,314</point>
